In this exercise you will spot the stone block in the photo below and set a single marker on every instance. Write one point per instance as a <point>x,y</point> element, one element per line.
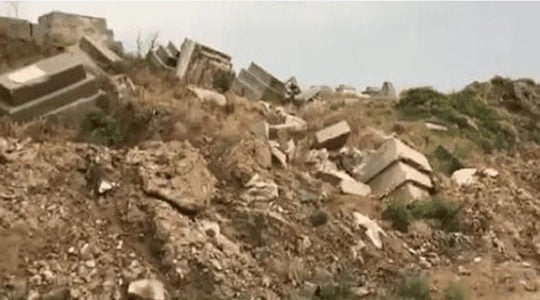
<point>353,187</point>
<point>392,151</point>
<point>258,88</point>
<point>261,130</point>
<point>44,77</point>
<point>15,28</point>
<point>333,137</point>
<point>166,57</point>
<point>267,79</point>
<point>397,175</point>
<point>86,88</point>
<point>98,52</point>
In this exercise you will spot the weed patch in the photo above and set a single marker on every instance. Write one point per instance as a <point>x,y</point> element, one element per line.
<point>414,288</point>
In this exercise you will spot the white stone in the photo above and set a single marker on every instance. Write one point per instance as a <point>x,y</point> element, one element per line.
<point>396,176</point>
<point>334,136</point>
<point>465,176</point>
<point>489,172</point>
<point>354,187</point>
<point>105,186</point>
<point>373,230</point>
<point>209,96</point>
<point>390,152</point>
<point>29,73</point>
<point>148,289</point>
<point>436,127</point>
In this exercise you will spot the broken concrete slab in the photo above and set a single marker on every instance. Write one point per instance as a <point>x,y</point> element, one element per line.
<point>396,175</point>
<point>353,187</point>
<point>98,51</point>
<point>208,96</point>
<point>309,95</point>
<point>333,137</point>
<point>166,56</point>
<point>278,154</point>
<point>156,61</point>
<point>44,77</point>
<point>410,191</point>
<point>86,88</point>
<point>204,66</point>
<point>391,151</point>
<point>256,83</point>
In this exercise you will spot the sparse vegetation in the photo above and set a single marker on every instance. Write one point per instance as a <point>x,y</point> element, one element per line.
<point>454,291</point>
<point>475,118</point>
<point>318,218</point>
<point>414,287</point>
<point>441,213</point>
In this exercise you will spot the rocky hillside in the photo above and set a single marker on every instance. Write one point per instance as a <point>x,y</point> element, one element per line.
<point>167,192</point>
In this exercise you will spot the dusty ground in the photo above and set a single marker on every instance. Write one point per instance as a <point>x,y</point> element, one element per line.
<point>177,211</point>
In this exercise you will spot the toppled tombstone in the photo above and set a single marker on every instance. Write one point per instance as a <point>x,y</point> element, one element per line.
<point>259,189</point>
<point>99,52</point>
<point>333,137</point>
<point>373,230</point>
<point>50,86</point>
<point>204,66</point>
<point>208,96</point>
<point>346,90</point>
<point>257,84</point>
<point>65,29</point>
<point>397,168</point>
<point>278,154</point>
<point>311,94</point>
<point>176,173</point>
<point>261,130</point>
<point>147,289</point>
<point>464,177</point>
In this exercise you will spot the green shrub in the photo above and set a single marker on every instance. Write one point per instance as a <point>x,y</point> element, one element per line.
<point>100,128</point>
<point>398,213</point>
<point>441,213</point>
<point>318,218</point>
<point>414,288</point>
<point>454,291</point>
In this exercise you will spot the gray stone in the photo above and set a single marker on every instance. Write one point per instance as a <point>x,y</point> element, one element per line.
<point>391,151</point>
<point>397,175</point>
<point>261,130</point>
<point>353,187</point>
<point>256,83</point>
<point>333,137</point>
<point>44,77</point>
<point>98,51</point>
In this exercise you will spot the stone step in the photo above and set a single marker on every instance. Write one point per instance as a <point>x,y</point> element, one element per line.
<point>39,79</point>
<point>62,97</point>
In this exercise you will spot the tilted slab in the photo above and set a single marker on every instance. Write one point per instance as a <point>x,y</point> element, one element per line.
<point>267,78</point>
<point>166,57</point>
<point>391,151</point>
<point>259,88</point>
<point>98,51</point>
<point>62,97</point>
<point>42,78</point>
<point>173,50</point>
<point>397,175</point>
<point>333,137</point>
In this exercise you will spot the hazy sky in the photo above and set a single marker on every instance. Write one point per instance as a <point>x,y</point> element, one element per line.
<point>445,45</point>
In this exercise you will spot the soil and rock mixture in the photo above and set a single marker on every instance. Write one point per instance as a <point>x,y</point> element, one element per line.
<point>159,185</point>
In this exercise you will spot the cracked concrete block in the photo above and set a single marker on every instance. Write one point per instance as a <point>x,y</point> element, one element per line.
<point>391,151</point>
<point>397,175</point>
<point>353,187</point>
<point>333,137</point>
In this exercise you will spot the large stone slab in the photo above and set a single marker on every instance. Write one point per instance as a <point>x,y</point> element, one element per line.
<point>99,51</point>
<point>86,88</point>
<point>42,78</point>
<point>397,175</point>
<point>391,151</point>
<point>15,28</point>
<point>267,78</point>
<point>333,137</point>
<point>257,88</point>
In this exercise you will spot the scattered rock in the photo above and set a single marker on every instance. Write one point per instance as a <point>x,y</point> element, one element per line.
<point>354,187</point>
<point>464,177</point>
<point>373,231</point>
<point>260,190</point>
<point>435,127</point>
<point>147,289</point>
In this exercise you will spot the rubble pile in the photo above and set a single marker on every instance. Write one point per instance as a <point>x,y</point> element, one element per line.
<point>270,191</point>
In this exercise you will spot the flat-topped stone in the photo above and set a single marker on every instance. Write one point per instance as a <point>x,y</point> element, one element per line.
<point>267,78</point>
<point>83,89</point>
<point>39,79</point>
<point>391,151</point>
<point>334,136</point>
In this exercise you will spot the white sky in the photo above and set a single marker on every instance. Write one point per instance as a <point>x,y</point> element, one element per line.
<point>445,45</point>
